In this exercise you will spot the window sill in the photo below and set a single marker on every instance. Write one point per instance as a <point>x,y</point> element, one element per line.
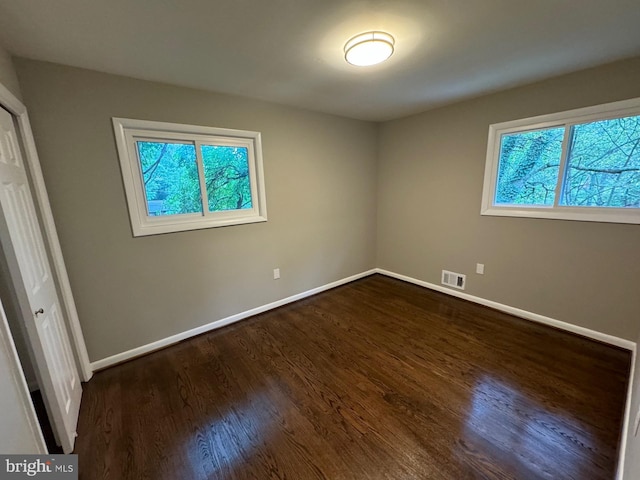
<point>593,214</point>
<point>149,228</point>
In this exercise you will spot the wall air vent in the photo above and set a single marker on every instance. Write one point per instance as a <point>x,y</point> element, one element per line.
<point>452,279</point>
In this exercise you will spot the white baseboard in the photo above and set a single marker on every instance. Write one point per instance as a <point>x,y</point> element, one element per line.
<point>136,352</point>
<point>165,342</point>
<point>534,317</point>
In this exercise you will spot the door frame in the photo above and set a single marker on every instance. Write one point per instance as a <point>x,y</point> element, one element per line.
<point>11,103</point>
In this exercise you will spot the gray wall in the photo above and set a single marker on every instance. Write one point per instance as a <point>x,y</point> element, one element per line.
<point>134,291</point>
<point>431,169</point>
<point>8,76</point>
<point>320,173</point>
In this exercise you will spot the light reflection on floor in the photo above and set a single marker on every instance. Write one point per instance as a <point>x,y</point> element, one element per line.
<point>233,435</point>
<point>502,418</point>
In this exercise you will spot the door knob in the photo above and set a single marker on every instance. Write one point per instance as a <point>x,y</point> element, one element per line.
<point>38,312</point>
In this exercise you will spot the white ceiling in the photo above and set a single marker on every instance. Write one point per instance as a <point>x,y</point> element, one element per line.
<point>290,51</point>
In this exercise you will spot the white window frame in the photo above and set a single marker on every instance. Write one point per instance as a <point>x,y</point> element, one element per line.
<point>566,119</point>
<point>128,131</point>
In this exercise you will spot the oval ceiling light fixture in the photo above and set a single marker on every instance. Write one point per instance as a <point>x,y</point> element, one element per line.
<point>368,48</point>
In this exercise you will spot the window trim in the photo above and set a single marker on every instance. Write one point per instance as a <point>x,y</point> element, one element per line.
<point>565,119</point>
<point>126,130</point>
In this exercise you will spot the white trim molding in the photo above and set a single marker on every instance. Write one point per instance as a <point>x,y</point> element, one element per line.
<point>534,317</point>
<point>131,134</point>
<point>165,342</point>
<point>17,108</point>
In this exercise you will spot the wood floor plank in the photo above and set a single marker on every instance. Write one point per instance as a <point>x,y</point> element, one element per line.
<point>377,379</point>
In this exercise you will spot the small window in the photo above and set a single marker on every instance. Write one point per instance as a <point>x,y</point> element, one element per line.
<point>578,165</point>
<point>184,177</point>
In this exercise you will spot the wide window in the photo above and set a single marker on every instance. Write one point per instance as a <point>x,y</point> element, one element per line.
<point>578,165</point>
<point>184,177</point>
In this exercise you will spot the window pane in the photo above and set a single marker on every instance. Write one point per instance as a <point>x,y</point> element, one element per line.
<point>528,167</point>
<point>226,172</point>
<point>603,168</point>
<point>170,177</point>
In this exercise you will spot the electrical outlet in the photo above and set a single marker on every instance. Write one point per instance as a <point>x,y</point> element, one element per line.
<point>276,273</point>
<point>480,268</point>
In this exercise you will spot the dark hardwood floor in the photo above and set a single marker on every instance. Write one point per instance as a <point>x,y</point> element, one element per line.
<point>377,379</point>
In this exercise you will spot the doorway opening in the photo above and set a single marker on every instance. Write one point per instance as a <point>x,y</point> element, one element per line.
<point>45,424</point>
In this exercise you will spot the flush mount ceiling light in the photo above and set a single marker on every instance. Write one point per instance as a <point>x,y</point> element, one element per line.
<point>368,48</point>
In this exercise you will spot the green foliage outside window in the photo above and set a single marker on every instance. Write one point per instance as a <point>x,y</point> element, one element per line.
<point>226,173</point>
<point>529,164</point>
<point>170,176</point>
<point>172,183</point>
<point>602,166</point>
